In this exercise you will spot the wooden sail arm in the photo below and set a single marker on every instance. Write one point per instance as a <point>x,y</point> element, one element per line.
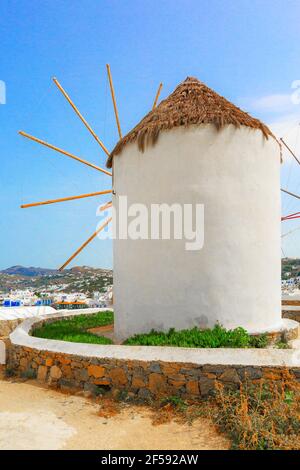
<point>91,238</point>
<point>108,205</point>
<point>64,152</point>
<point>112,91</point>
<point>63,91</point>
<point>64,199</point>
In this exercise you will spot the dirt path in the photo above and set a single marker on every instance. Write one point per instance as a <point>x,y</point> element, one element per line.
<point>32,417</point>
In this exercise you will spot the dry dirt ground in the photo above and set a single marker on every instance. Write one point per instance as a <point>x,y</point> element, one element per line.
<point>33,417</point>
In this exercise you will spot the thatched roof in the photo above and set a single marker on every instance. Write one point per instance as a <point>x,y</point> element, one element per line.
<point>192,102</point>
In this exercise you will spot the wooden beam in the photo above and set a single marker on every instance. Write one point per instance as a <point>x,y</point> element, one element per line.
<point>80,116</point>
<point>64,152</point>
<point>157,96</point>
<point>290,194</point>
<point>86,243</point>
<point>64,199</point>
<point>106,206</point>
<point>290,150</point>
<point>114,99</point>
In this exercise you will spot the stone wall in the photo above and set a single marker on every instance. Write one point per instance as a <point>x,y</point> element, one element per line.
<point>143,371</point>
<point>291,314</point>
<point>144,379</point>
<point>7,326</point>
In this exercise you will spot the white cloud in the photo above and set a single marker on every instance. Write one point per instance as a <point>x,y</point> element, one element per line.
<point>276,103</point>
<point>273,103</point>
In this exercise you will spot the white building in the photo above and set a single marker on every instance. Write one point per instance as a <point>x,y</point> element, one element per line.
<point>198,148</point>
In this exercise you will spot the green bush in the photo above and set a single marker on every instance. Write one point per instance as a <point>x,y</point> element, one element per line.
<point>259,341</point>
<point>217,337</point>
<point>74,329</point>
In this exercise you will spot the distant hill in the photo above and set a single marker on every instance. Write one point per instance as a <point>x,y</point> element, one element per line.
<point>76,279</point>
<point>31,271</point>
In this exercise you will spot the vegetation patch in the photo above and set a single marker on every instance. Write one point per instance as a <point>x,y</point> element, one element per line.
<point>256,416</point>
<point>74,329</point>
<point>217,337</point>
<point>263,416</point>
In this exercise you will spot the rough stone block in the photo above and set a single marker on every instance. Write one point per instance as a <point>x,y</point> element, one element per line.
<point>96,371</point>
<point>155,367</point>
<point>55,373</point>
<point>251,373</point>
<point>157,383</point>
<point>230,375</point>
<point>118,376</point>
<point>214,369</point>
<point>144,394</point>
<point>42,373</point>
<point>207,386</point>
<point>192,387</point>
<point>49,362</point>
<point>23,363</point>
<point>68,384</point>
<point>138,382</point>
<point>81,375</point>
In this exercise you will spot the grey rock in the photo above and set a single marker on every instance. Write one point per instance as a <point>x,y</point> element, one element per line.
<point>155,367</point>
<point>251,373</point>
<point>195,372</point>
<point>81,375</point>
<point>207,386</point>
<point>230,375</point>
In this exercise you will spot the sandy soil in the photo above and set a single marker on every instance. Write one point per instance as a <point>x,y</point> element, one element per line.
<point>33,417</point>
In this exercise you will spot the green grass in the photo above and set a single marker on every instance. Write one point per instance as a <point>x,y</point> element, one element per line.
<point>217,337</point>
<point>74,329</point>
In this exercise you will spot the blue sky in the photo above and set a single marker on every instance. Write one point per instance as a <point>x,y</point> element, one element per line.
<point>247,50</point>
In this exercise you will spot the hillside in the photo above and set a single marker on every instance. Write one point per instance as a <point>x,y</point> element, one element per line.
<point>78,279</point>
<point>31,271</point>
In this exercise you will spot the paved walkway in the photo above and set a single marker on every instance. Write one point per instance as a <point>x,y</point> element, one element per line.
<point>32,417</point>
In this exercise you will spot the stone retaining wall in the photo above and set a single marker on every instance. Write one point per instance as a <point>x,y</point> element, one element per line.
<point>145,379</point>
<point>291,314</point>
<point>143,371</point>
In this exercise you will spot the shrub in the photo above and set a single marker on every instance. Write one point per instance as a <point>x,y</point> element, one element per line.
<point>217,337</point>
<point>259,341</point>
<point>260,416</point>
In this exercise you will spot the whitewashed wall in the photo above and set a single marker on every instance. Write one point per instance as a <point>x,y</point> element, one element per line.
<point>235,278</point>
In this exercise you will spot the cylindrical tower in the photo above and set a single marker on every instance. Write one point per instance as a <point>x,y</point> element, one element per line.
<point>198,148</point>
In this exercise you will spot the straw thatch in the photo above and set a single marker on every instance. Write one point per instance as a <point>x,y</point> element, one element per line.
<point>191,103</point>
